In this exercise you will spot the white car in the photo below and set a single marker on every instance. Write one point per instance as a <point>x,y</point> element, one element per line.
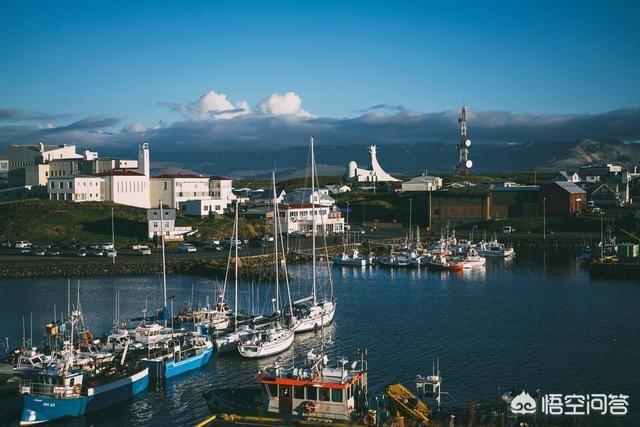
<point>22,244</point>
<point>107,246</point>
<point>111,253</point>
<point>144,250</point>
<point>186,248</point>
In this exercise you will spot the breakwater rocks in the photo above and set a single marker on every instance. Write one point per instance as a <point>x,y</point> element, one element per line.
<point>193,267</point>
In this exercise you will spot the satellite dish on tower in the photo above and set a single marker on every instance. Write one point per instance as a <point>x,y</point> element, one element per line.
<point>468,164</point>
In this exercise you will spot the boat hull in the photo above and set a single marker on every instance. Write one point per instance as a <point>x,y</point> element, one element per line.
<point>321,315</point>
<point>268,348</point>
<point>160,369</point>
<point>41,409</point>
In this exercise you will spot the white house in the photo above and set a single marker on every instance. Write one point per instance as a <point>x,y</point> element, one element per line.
<point>168,225</point>
<point>304,195</point>
<point>175,188</point>
<point>221,188</point>
<point>126,187</point>
<point>76,188</point>
<point>422,183</point>
<point>338,189</point>
<point>203,207</point>
<point>297,218</point>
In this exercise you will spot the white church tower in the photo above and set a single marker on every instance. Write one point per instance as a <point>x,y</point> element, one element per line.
<point>143,158</point>
<point>375,174</point>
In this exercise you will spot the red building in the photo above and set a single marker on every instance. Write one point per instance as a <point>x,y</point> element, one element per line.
<point>562,198</point>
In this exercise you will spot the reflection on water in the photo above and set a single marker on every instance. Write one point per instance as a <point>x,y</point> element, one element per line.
<point>537,321</point>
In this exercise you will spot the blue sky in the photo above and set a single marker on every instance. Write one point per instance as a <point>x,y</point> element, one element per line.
<point>130,60</point>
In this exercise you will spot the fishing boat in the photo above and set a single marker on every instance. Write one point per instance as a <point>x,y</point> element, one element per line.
<point>30,361</point>
<point>353,259</point>
<point>442,263</point>
<point>472,259</point>
<point>66,388</point>
<point>394,261</point>
<point>279,336</point>
<point>494,249</point>
<point>178,356</point>
<point>316,390</point>
<point>313,311</point>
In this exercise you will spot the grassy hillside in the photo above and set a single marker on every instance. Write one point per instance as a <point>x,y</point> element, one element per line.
<point>44,221</point>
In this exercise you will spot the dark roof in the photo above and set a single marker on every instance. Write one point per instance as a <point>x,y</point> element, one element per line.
<point>179,175</point>
<point>517,188</point>
<point>119,172</point>
<point>219,177</point>
<point>570,187</point>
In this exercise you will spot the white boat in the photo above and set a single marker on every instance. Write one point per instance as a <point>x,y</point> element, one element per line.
<point>266,343</point>
<point>278,336</point>
<point>312,312</point>
<point>494,249</point>
<point>30,361</point>
<point>355,259</point>
<point>473,259</point>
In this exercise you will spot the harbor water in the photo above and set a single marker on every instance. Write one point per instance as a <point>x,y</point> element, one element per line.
<point>537,321</point>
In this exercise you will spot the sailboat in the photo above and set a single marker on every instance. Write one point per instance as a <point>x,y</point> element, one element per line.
<point>277,337</point>
<point>228,341</point>
<point>311,312</point>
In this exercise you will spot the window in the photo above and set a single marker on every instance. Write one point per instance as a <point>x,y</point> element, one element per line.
<point>165,185</point>
<point>272,389</point>
<point>325,394</point>
<point>298,392</point>
<point>336,395</point>
<point>312,393</point>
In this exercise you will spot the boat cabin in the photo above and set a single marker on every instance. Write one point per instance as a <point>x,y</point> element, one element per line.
<point>321,391</point>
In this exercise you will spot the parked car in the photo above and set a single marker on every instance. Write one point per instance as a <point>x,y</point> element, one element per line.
<point>111,253</point>
<point>507,229</point>
<point>256,242</point>
<point>107,246</point>
<point>7,244</point>
<point>26,251</point>
<point>186,248</point>
<point>81,252</point>
<point>143,250</point>
<point>96,252</point>
<point>53,251</point>
<point>21,244</point>
<point>228,242</point>
<point>40,251</point>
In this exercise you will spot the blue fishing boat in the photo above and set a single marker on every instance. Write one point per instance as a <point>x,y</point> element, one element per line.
<point>70,394</point>
<point>180,355</point>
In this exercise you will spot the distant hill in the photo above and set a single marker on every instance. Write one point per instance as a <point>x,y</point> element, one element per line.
<point>405,159</point>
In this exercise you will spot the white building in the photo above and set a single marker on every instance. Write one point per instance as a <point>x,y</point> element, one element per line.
<point>297,218</point>
<point>175,188</point>
<point>338,189</point>
<point>168,225</point>
<point>22,156</point>
<point>375,174</point>
<point>304,195</point>
<point>126,187</point>
<point>221,188</point>
<point>203,207</point>
<point>422,183</point>
<point>77,188</point>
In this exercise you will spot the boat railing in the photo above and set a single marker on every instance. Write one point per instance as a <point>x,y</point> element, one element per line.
<point>50,390</point>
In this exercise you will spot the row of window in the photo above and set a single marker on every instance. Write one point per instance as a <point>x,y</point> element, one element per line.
<point>131,187</point>
<point>323,394</point>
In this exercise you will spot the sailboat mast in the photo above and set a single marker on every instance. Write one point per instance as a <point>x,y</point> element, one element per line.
<point>68,297</point>
<point>275,240</point>
<point>164,265</point>
<point>313,223</point>
<point>235,269</point>
<point>113,238</point>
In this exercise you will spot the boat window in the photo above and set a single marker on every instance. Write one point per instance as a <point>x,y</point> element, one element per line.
<point>272,389</point>
<point>324,394</point>
<point>336,395</point>
<point>298,392</point>
<point>312,393</point>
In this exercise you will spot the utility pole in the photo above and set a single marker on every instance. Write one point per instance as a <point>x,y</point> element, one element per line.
<point>544,218</point>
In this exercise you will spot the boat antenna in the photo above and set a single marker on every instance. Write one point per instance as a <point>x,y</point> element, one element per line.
<point>313,223</point>
<point>68,297</point>
<point>55,319</point>
<point>24,335</point>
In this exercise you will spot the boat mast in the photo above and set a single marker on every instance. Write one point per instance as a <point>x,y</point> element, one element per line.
<point>235,269</point>
<point>113,238</point>
<point>164,266</point>
<point>275,240</point>
<point>313,223</point>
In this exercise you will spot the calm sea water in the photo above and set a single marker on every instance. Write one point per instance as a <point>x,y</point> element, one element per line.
<point>537,321</point>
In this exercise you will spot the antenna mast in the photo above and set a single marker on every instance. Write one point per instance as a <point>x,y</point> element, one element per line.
<point>464,164</point>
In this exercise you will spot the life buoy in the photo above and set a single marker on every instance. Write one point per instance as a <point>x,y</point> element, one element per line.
<point>308,407</point>
<point>369,419</point>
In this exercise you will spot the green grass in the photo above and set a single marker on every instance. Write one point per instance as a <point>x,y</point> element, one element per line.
<point>44,221</point>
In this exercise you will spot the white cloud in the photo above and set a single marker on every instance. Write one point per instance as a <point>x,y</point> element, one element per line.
<point>134,128</point>
<point>216,106</point>
<point>288,104</point>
